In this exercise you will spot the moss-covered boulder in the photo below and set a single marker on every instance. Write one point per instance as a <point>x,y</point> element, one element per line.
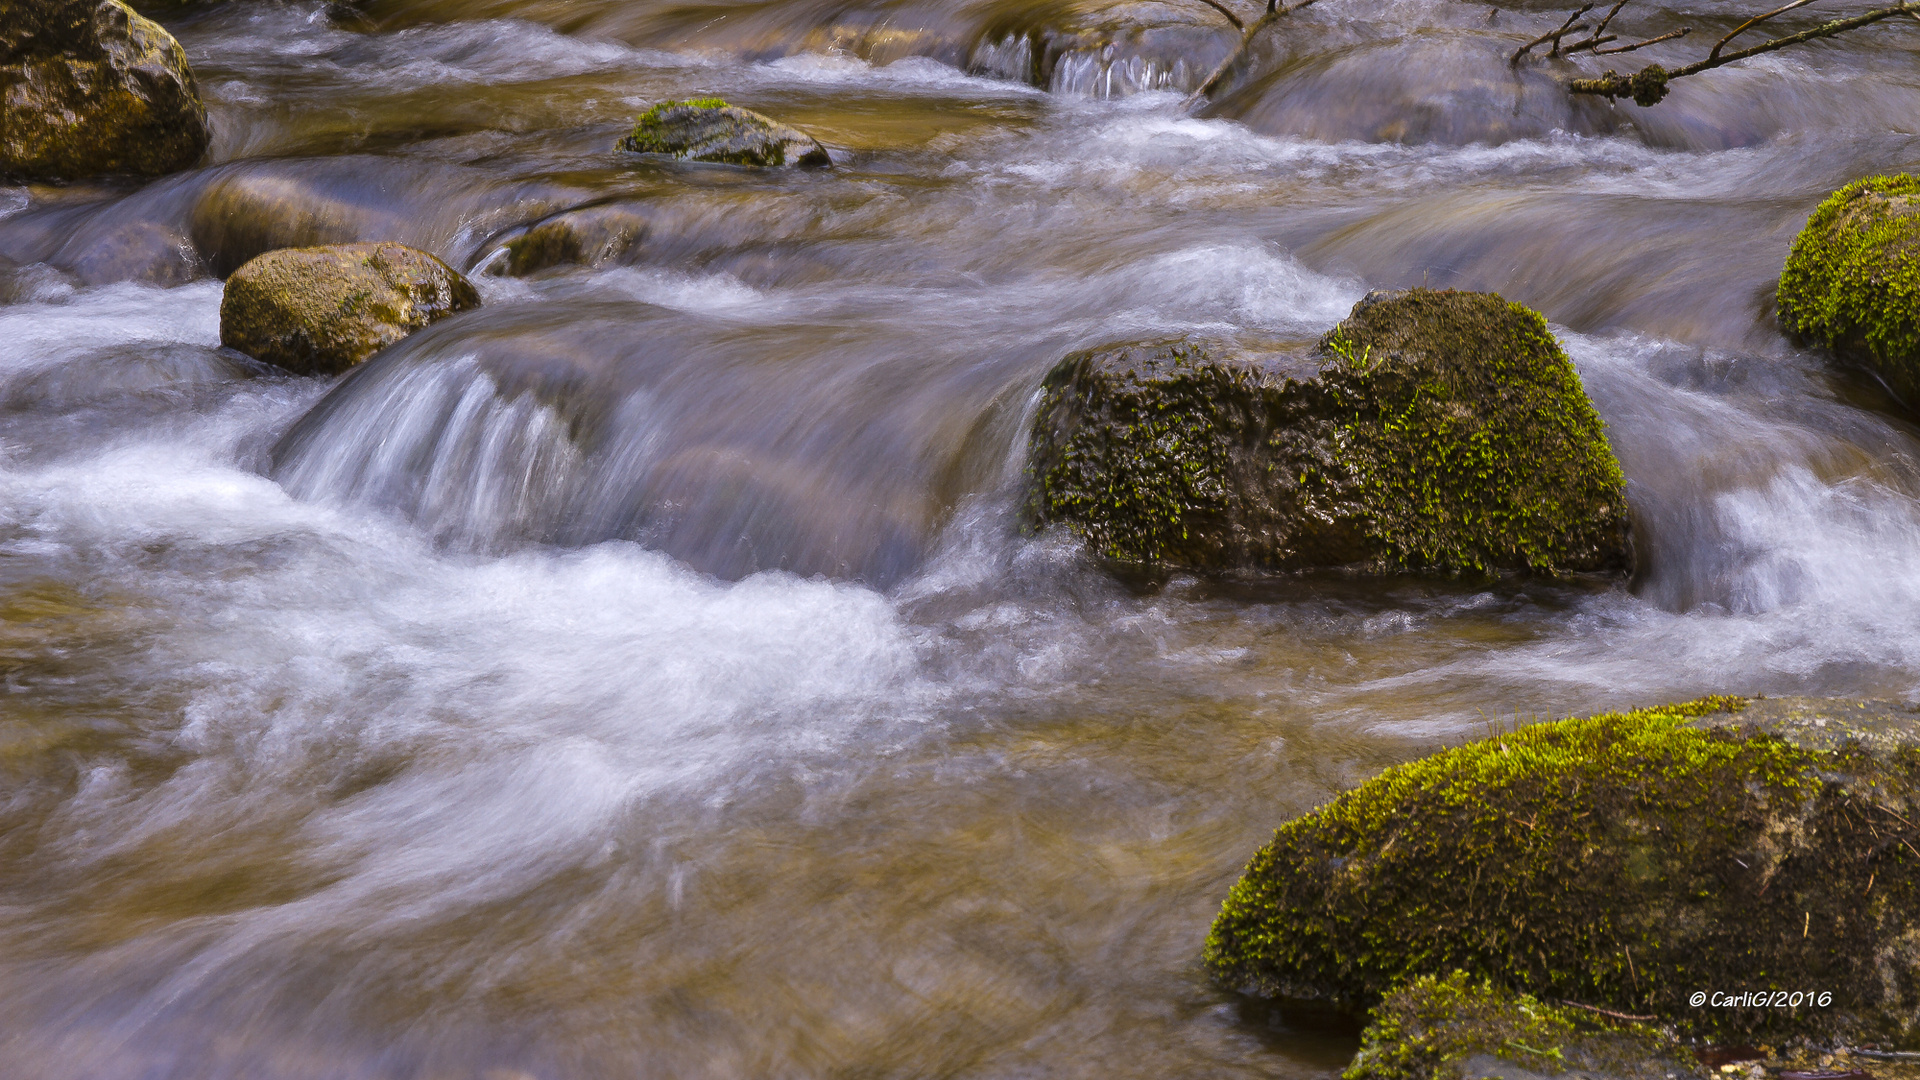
<point>1431,431</point>
<point>92,87</point>
<point>709,129</point>
<point>321,310</point>
<point>589,236</point>
<point>1852,281</point>
<point>1455,1027</point>
<point>1642,862</point>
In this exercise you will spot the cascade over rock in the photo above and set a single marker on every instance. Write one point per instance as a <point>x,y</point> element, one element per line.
<point>321,310</point>
<point>93,87</point>
<point>1431,431</point>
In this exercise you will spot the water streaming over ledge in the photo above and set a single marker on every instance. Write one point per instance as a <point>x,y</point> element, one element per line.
<point>646,673</point>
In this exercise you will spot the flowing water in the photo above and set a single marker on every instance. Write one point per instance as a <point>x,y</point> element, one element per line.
<point>646,675</point>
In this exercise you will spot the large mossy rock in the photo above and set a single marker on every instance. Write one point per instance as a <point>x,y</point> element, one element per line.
<point>1852,281</point>
<point>709,129</point>
<point>91,87</point>
<point>1455,1027</point>
<point>1431,431</point>
<point>321,310</point>
<point>1626,861</point>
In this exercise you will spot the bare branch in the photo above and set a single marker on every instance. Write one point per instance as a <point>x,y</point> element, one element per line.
<point>1274,14</point>
<point>1554,36</point>
<point>1593,43</point>
<point>1228,12</point>
<point>1648,85</point>
<point>1755,21</point>
<point>1668,36</point>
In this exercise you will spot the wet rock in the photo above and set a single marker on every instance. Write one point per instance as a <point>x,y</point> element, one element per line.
<point>708,129</point>
<point>1852,282</point>
<point>1431,431</point>
<point>322,310</point>
<point>92,87</point>
<point>1642,862</point>
<point>592,236</point>
<point>1458,1028</point>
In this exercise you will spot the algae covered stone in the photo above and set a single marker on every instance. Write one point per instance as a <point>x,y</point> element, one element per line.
<point>92,87</point>
<point>1455,1027</point>
<point>321,310</point>
<point>589,236</point>
<point>1434,431</point>
<point>1852,281</point>
<point>709,129</point>
<point>1627,861</point>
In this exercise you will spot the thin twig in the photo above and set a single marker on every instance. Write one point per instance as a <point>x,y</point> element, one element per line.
<point>1680,33</point>
<point>1274,14</point>
<point>1228,12</point>
<point>1607,1012</point>
<point>1755,21</point>
<point>1648,85</point>
<point>1593,43</point>
<point>1553,36</point>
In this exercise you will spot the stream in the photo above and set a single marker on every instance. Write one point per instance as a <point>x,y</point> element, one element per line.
<point>648,674</point>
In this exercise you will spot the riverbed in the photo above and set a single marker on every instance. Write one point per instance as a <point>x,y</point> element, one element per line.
<point>650,673</point>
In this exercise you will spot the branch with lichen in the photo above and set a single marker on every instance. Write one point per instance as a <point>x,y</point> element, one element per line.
<point>1648,86</point>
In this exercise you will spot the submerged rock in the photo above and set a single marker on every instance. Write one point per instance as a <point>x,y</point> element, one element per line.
<point>709,129</point>
<point>591,236</point>
<point>1662,862</point>
<point>321,310</point>
<point>1430,431</point>
<point>1852,282</point>
<point>92,87</point>
<point>1458,1028</point>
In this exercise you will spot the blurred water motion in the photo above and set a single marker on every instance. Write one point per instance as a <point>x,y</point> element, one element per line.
<point>647,673</point>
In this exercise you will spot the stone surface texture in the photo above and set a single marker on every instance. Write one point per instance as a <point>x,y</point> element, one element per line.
<point>91,87</point>
<point>1431,432</point>
<point>1626,861</point>
<point>321,310</point>
<point>709,129</point>
<point>1852,281</point>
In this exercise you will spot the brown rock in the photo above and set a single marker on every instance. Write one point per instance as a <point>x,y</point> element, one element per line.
<point>321,310</point>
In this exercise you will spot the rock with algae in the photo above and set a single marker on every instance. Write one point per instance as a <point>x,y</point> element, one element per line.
<point>321,310</point>
<point>1455,1027</point>
<point>1852,281</point>
<point>92,87</point>
<point>1641,862</point>
<point>1433,431</point>
<point>709,129</point>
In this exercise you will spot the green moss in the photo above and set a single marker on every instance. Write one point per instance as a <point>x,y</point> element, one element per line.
<point>709,129</point>
<point>1537,488</point>
<point>1432,431</point>
<point>1852,280</point>
<point>1451,1027</point>
<point>1140,483</point>
<point>95,88</point>
<point>1621,860</point>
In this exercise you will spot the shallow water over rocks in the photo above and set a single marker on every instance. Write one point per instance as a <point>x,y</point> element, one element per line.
<point>645,674</point>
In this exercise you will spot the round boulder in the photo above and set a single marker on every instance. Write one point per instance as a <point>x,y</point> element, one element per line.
<point>1745,871</point>
<point>709,129</point>
<point>92,87</point>
<point>1852,281</point>
<point>1432,431</point>
<point>321,310</point>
